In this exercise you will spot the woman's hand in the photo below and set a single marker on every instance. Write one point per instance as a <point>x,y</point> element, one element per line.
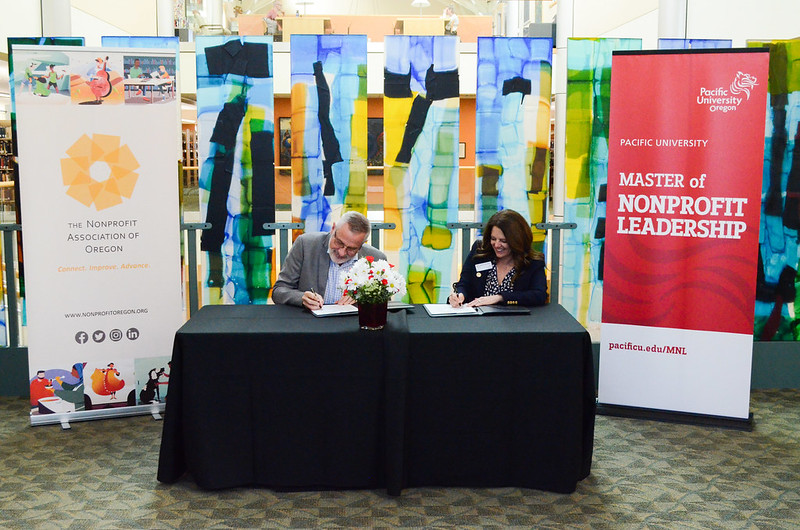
<point>456,299</point>
<point>486,300</point>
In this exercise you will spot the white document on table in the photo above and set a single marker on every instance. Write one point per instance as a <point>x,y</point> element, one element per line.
<point>446,310</point>
<point>333,310</point>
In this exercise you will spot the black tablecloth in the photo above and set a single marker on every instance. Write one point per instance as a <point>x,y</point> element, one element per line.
<point>499,401</point>
<point>273,396</point>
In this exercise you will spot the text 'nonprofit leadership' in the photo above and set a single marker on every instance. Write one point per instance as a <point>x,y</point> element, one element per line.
<point>677,215</point>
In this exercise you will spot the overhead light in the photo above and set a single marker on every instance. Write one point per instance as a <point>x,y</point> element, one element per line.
<point>420,4</point>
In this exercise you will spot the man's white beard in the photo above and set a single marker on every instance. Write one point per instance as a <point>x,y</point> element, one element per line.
<point>336,259</point>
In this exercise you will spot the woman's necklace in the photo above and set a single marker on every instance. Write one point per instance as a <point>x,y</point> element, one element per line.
<point>503,268</point>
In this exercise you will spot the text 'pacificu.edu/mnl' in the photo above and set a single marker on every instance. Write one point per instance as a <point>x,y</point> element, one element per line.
<point>674,350</point>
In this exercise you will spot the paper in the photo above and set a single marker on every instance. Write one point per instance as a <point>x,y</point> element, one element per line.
<point>446,310</point>
<point>332,310</point>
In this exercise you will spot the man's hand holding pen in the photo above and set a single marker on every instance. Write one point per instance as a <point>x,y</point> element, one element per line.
<point>312,301</point>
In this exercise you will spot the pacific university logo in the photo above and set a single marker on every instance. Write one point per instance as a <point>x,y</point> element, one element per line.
<point>720,99</point>
<point>743,83</point>
<point>97,154</point>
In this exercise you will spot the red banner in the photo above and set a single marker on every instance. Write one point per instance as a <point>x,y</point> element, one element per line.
<point>686,144</point>
<point>684,192</point>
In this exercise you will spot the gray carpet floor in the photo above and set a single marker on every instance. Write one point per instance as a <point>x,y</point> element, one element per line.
<point>645,474</point>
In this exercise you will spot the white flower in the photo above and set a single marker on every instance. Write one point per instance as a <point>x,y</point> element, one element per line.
<point>373,280</point>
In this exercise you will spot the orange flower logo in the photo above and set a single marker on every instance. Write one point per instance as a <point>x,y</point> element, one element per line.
<point>76,171</point>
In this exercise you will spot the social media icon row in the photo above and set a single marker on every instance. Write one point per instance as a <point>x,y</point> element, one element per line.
<point>98,336</point>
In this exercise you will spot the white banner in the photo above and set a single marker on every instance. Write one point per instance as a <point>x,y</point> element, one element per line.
<point>706,370</point>
<point>100,224</point>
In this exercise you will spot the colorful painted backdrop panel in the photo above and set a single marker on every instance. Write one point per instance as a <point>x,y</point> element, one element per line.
<point>776,286</point>
<point>693,44</point>
<point>142,42</point>
<point>421,117</point>
<point>329,128</point>
<point>235,119</point>
<point>512,137</point>
<point>586,173</point>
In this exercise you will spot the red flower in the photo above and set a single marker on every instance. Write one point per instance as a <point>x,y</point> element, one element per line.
<point>385,281</point>
<point>370,259</point>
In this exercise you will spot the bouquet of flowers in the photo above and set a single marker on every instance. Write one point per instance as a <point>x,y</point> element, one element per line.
<point>373,281</point>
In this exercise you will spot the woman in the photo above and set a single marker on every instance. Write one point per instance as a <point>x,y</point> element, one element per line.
<point>273,26</point>
<point>502,268</point>
<point>100,83</point>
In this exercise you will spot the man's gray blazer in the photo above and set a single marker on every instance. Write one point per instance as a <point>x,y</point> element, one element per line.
<point>306,268</point>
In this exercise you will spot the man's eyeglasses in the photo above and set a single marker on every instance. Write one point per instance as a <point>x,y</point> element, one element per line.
<point>338,244</point>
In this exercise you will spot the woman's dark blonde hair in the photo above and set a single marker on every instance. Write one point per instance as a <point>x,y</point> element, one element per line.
<point>518,235</point>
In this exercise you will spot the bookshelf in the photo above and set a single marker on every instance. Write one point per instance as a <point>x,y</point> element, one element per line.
<point>6,171</point>
<point>191,163</point>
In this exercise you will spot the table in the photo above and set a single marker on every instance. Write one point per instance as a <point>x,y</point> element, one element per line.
<point>272,396</point>
<point>499,401</point>
<point>152,83</point>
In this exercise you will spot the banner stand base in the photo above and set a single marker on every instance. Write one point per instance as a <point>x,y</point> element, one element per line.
<point>65,418</point>
<point>669,416</point>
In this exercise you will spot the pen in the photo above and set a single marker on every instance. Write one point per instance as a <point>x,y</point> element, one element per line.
<point>455,293</point>
<point>315,294</point>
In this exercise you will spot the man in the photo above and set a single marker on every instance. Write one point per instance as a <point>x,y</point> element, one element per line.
<point>273,26</point>
<point>136,73</point>
<point>451,20</point>
<point>136,70</point>
<point>310,276</point>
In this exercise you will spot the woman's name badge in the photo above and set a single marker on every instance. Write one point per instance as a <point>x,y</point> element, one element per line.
<point>485,266</point>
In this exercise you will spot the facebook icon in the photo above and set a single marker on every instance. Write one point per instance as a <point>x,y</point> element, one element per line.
<point>81,337</point>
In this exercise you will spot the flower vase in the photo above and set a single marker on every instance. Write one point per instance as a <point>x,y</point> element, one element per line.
<point>372,316</point>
